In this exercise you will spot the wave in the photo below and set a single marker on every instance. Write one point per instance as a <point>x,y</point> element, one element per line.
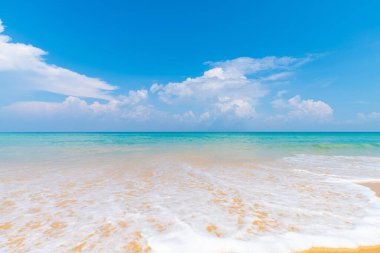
<point>171,204</point>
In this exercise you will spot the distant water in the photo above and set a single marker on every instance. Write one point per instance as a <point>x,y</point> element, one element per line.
<point>14,146</point>
<point>187,192</point>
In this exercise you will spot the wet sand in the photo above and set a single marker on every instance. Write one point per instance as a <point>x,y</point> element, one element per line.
<point>374,186</point>
<point>372,249</point>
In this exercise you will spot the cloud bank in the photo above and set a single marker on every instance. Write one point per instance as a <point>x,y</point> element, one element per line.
<point>230,93</point>
<point>232,86</point>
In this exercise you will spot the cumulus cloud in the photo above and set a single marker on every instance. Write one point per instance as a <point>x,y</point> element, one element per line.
<point>232,86</point>
<point>300,108</point>
<point>372,116</point>
<point>26,66</point>
<point>241,107</point>
<point>124,106</point>
<point>134,97</point>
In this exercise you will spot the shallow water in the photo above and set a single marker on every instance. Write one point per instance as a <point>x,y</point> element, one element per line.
<point>195,192</point>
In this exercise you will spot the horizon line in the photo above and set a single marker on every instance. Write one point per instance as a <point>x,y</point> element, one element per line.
<point>176,132</point>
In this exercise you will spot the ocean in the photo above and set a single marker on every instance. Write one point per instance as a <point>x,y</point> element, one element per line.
<point>188,192</point>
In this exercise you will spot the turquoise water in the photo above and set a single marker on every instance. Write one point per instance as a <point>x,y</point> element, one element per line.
<point>260,144</point>
<point>284,139</point>
<point>312,141</point>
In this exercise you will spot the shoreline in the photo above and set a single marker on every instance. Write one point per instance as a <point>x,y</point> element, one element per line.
<point>364,249</point>
<point>373,186</point>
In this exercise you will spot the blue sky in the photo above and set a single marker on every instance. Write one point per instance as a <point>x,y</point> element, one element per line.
<point>190,66</point>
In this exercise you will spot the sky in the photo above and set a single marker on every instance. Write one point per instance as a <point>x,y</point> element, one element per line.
<point>189,65</point>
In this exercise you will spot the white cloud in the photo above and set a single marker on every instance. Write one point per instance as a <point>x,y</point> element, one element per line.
<point>186,116</point>
<point>124,106</point>
<point>204,116</point>
<point>134,97</point>
<point>2,28</point>
<point>230,86</point>
<point>189,117</point>
<point>243,66</point>
<point>241,107</point>
<point>33,108</point>
<point>372,116</point>
<point>277,76</point>
<point>26,66</point>
<point>308,108</point>
<point>281,93</point>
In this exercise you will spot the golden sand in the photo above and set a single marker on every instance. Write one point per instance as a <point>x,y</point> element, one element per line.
<point>371,249</point>
<point>374,186</point>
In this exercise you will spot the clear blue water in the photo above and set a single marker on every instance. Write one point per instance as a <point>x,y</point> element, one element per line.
<point>288,143</point>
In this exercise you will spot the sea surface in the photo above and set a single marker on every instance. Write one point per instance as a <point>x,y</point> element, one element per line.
<point>187,192</point>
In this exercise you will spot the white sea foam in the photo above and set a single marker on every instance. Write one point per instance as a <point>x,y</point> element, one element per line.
<point>170,204</point>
